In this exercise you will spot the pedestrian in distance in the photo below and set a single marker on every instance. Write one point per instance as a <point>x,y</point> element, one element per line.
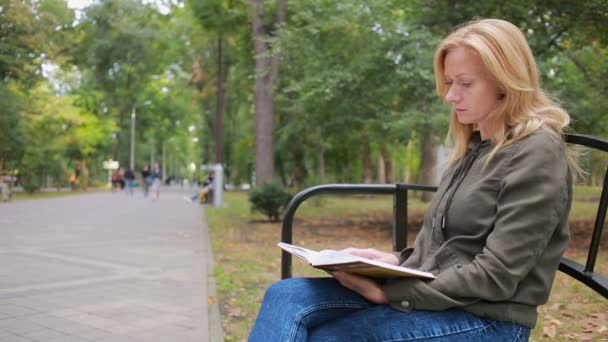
<point>129,180</point>
<point>146,179</point>
<point>494,232</point>
<point>115,180</point>
<point>157,176</point>
<point>73,181</point>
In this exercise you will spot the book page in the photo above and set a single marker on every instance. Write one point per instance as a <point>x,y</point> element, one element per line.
<point>329,256</point>
<point>324,257</point>
<point>300,252</point>
<point>331,260</point>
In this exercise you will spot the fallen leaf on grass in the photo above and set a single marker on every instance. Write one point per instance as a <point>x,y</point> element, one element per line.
<point>602,329</point>
<point>590,324</point>
<point>234,312</point>
<point>211,299</point>
<point>556,322</point>
<point>550,331</point>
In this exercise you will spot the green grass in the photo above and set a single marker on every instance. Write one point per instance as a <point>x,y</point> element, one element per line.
<point>248,261</point>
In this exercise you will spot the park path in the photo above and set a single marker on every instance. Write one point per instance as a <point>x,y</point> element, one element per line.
<point>106,267</point>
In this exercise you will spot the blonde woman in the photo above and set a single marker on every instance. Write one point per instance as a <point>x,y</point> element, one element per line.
<point>493,234</point>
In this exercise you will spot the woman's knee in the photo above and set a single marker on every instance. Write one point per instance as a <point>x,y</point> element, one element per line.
<point>287,290</point>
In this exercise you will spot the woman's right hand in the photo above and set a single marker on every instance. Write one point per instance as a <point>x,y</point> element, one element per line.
<point>370,253</point>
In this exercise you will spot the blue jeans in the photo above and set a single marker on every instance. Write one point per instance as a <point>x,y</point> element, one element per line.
<point>320,309</point>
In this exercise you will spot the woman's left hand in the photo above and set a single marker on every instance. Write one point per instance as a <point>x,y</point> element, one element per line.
<point>366,287</point>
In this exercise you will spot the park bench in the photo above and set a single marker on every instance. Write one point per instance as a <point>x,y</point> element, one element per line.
<point>585,274</point>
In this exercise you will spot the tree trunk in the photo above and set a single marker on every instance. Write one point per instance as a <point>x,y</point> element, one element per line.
<point>264,98</point>
<point>321,162</point>
<point>208,119</point>
<point>85,175</point>
<point>381,168</point>
<point>407,177</point>
<point>281,170</point>
<point>388,168</point>
<point>299,172</point>
<point>429,160</point>
<point>220,105</point>
<point>368,174</point>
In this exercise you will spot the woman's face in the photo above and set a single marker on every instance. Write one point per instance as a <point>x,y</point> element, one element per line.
<point>472,91</point>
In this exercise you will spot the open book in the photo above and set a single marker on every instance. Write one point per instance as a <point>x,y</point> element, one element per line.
<point>330,260</point>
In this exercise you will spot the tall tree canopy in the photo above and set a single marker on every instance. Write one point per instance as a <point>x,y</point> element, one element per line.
<point>302,91</point>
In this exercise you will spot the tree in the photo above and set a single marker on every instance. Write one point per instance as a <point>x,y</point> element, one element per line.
<point>266,69</point>
<point>223,21</point>
<point>118,52</point>
<point>33,32</point>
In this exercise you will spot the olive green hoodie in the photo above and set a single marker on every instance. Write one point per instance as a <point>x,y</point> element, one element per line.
<point>494,233</point>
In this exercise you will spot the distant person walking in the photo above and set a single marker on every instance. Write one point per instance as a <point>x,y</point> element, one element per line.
<point>157,176</point>
<point>73,181</point>
<point>146,179</point>
<point>5,187</point>
<point>115,180</point>
<point>129,180</point>
<point>74,177</point>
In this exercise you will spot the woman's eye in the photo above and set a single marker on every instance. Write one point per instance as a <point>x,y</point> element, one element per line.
<point>466,84</point>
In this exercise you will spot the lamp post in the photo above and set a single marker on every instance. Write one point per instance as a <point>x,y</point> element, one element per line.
<point>132,159</point>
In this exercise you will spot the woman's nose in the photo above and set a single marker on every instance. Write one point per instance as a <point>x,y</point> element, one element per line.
<point>452,96</point>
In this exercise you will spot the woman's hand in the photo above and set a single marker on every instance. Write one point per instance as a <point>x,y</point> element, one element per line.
<point>370,253</point>
<point>366,287</point>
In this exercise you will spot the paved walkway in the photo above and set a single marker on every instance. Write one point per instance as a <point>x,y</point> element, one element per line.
<point>106,267</point>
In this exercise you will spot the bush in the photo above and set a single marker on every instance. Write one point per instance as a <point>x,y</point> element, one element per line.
<point>30,182</point>
<point>270,199</point>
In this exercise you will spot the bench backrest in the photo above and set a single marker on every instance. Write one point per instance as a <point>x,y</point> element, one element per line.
<point>584,273</point>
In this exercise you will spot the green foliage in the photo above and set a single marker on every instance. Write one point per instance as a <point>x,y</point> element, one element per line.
<point>270,199</point>
<point>355,78</point>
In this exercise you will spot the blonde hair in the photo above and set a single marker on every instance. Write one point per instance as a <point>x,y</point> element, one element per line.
<point>524,106</point>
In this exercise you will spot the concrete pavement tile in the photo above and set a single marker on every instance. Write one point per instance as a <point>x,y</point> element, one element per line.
<point>16,310</point>
<point>168,333</point>
<point>5,333</point>
<point>93,321</point>
<point>19,325</point>
<point>92,334</point>
<point>190,323</point>
<point>42,335</point>
<point>48,321</point>
<point>70,328</point>
<point>36,303</point>
<point>124,339</point>
<point>66,339</point>
<point>65,313</point>
<point>122,329</point>
<point>14,338</point>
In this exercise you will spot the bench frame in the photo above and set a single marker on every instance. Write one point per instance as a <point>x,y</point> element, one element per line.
<point>583,273</point>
